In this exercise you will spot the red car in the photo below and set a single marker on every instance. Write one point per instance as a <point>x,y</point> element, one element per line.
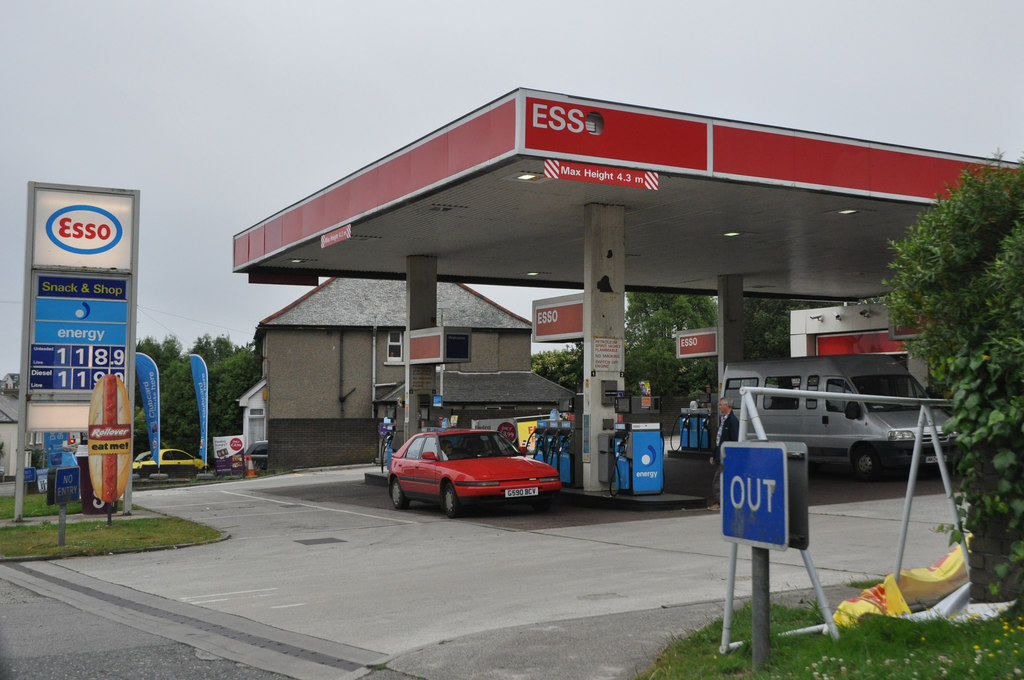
<point>460,467</point>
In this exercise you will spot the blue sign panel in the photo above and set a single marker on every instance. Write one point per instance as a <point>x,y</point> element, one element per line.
<point>79,332</point>
<point>66,485</point>
<point>79,287</point>
<point>754,494</point>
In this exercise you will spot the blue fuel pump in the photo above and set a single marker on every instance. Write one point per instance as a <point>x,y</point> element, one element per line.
<point>694,429</point>
<point>637,459</point>
<point>564,452</point>
<point>386,432</point>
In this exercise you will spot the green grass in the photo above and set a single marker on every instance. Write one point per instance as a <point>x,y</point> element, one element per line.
<point>92,537</point>
<point>878,648</point>
<point>34,505</point>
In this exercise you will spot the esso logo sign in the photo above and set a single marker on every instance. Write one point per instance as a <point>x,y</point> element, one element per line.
<point>547,316</point>
<point>84,229</point>
<point>235,444</point>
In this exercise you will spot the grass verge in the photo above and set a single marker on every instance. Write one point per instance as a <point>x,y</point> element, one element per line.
<point>878,648</point>
<point>92,537</point>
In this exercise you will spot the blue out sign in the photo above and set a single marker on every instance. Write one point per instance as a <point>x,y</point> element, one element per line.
<point>755,506</point>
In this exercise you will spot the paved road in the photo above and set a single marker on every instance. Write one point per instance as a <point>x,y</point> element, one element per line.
<point>321,578</point>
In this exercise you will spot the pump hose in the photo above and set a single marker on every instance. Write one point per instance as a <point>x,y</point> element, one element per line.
<point>675,425</point>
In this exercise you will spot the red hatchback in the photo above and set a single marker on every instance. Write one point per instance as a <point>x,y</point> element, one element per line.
<point>460,467</point>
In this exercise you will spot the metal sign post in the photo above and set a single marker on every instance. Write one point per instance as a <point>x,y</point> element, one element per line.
<point>764,505</point>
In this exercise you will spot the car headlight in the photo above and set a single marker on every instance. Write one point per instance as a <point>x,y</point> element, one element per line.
<point>487,483</point>
<point>901,435</point>
<point>549,479</point>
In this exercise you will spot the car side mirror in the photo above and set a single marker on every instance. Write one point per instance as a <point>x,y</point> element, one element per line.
<point>430,455</point>
<point>853,411</point>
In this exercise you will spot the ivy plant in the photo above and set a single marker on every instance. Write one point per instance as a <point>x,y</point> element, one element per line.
<point>958,277</point>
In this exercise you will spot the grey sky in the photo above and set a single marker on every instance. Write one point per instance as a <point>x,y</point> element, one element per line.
<point>222,113</point>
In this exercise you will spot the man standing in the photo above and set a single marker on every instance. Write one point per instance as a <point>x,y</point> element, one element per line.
<point>728,431</point>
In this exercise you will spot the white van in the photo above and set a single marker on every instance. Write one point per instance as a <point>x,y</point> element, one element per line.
<point>870,437</point>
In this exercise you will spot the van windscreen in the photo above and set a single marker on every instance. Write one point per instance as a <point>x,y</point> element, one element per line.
<point>890,386</point>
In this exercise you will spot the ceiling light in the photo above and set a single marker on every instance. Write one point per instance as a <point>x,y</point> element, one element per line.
<point>848,211</point>
<point>527,177</point>
<point>533,273</point>
<point>731,233</point>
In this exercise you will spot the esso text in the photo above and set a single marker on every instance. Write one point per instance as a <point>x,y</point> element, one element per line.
<point>558,118</point>
<point>83,229</point>
<point>547,316</point>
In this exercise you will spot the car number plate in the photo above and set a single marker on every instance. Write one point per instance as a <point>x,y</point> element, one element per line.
<point>520,493</point>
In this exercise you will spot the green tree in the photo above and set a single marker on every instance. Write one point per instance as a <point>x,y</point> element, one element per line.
<point>562,366</point>
<point>232,370</point>
<point>651,321</point>
<point>766,326</point>
<point>959,278</point>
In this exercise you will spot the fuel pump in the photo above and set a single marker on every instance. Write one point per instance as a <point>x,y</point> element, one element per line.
<point>386,433</point>
<point>635,462</point>
<point>618,462</point>
<point>545,437</point>
<point>565,456</point>
<point>694,429</point>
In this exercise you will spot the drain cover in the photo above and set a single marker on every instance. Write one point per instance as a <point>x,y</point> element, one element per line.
<point>319,541</point>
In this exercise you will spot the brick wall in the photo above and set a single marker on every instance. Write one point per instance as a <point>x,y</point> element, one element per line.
<point>316,442</point>
<point>990,546</point>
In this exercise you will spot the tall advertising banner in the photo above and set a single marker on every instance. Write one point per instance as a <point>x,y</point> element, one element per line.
<point>201,380</point>
<point>149,387</point>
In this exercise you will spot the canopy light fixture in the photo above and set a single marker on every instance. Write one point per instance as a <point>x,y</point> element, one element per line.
<point>528,177</point>
<point>731,233</point>
<point>847,211</point>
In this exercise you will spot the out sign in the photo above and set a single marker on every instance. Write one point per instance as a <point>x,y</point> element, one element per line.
<point>755,504</point>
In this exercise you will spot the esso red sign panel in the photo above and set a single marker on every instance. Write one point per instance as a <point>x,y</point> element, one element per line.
<point>557,321</point>
<point>616,135</point>
<point>697,344</point>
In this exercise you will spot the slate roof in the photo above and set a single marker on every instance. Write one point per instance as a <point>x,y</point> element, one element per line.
<point>367,303</point>
<point>8,409</point>
<point>501,387</point>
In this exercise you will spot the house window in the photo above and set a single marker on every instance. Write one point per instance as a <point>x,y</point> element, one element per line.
<point>394,346</point>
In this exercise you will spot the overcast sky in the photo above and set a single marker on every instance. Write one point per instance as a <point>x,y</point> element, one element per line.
<point>223,113</point>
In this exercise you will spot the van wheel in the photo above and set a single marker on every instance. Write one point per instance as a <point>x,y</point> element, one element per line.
<point>866,464</point>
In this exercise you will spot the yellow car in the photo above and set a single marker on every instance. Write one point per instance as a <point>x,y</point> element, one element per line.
<point>173,462</point>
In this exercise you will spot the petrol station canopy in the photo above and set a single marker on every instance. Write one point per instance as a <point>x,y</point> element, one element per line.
<point>498,197</point>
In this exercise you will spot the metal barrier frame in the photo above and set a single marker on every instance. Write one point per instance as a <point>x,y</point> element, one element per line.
<point>751,418</point>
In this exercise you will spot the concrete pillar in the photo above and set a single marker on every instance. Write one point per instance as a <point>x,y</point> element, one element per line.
<point>730,323</point>
<point>420,312</point>
<point>604,315</point>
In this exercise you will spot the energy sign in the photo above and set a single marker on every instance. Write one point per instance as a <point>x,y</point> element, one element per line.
<point>79,332</point>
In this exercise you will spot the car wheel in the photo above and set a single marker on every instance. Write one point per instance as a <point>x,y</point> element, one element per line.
<point>542,505</point>
<point>398,497</point>
<point>450,502</point>
<point>866,464</point>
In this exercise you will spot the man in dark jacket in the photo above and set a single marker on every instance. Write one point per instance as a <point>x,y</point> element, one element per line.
<point>728,431</point>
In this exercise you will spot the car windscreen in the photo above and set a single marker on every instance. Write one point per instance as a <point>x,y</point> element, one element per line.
<point>890,386</point>
<point>478,445</point>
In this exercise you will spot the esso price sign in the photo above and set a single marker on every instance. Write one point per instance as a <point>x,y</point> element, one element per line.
<point>84,229</point>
